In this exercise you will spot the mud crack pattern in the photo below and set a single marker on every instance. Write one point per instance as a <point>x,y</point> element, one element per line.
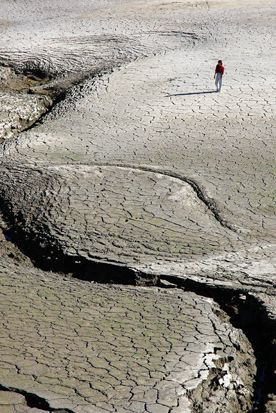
<point>91,348</point>
<point>138,164</point>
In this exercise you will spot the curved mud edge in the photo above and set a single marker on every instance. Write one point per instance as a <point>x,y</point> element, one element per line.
<point>248,313</point>
<point>33,79</point>
<point>54,260</point>
<point>245,310</point>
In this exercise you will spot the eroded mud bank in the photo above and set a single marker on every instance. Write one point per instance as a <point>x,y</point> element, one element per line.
<point>231,383</point>
<point>142,178</point>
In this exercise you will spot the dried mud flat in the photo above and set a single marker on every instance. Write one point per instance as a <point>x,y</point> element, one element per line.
<point>137,206</point>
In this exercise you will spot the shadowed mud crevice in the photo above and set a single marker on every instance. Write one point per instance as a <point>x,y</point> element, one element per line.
<point>25,100</point>
<point>24,79</point>
<point>48,255</point>
<point>32,79</point>
<point>224,384</point>
<point>69,88</point>
<point>247,313</point>
<point>37,229</point>
<point>35,401</point>
<point>54,260</point>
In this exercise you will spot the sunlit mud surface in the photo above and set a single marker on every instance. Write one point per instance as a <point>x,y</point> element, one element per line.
<point>121,165</point>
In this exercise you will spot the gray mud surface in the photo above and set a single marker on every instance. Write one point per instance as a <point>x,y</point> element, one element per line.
<point>137,231</point>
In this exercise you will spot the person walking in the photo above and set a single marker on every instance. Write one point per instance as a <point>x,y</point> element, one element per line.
<point>218,75</point>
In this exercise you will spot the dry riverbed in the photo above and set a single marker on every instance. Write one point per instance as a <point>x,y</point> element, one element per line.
<point>137,243</point>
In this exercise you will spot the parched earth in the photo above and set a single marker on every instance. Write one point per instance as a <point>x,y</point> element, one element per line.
<point>137,207</point>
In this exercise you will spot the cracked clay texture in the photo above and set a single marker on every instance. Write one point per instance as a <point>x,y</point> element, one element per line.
<point>102,348</point>
<point>118,155</point>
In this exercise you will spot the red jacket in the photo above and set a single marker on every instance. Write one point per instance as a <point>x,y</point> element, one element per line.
<point>220,69</point>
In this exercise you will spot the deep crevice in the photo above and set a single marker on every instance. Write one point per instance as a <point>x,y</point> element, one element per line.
<point>62,89</point>
<point>58,89</point>
<point>247,313</point>
<point>245,310</point>
<point>94,269</point>
<point>35,401</point>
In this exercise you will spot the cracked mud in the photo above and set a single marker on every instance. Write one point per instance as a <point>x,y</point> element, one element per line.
<point>120,164</point>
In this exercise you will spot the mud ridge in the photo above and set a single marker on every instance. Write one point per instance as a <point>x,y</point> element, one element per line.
<point>94,269</point>
<point>61,89</point>
<point>200,192</point>
<point>247,313</point>
<point>35,401</point>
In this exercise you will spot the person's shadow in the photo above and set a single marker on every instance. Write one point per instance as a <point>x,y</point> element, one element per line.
<point>192,93</point>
